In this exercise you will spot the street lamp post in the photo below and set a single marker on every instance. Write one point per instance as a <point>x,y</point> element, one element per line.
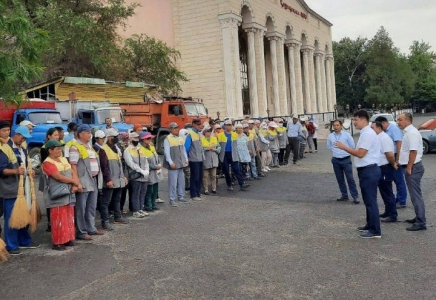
<point>348,110</point>
<point>336,114</point>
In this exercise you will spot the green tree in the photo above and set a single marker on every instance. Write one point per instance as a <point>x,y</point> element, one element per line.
<point>423,63</point>
<point>83,35</point>
<point>151,60</point>
<point>350,67</point>
<point>21,45</point>
<point>390,79</point>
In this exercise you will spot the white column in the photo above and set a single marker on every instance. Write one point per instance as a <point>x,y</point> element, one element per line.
<point>312,84</point>
<point>307,107</point>
<point>298,79</point>
<point>226,28</point>
<point>252,74</point>
<point>319,99</point>
<point>261,74</point>
<point>323,84</point>
<point>292,85</point>
<point>329,83</point>
<point>332,71</point>
<point>283,94</point>
<point>275,76</point>
<point>237,70</point>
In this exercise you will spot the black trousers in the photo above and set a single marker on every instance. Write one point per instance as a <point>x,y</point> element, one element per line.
<point>315,142</point>
<point>282,155</point>
<point>124,191</point>
<point>1,214</point>
<point>293,146</point>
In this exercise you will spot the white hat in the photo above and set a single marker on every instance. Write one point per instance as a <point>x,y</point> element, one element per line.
<point>112,132</point>
<point>245,125</point>
<point>272,124</point>
<point>133,135</point>
<point>302,120</point>
<point>228,122</point>
<point>294,116</point>
<point>99,134</point>
<point>26,122</point>
<point>217,126</point>
<point>238,126</point>
<point>250,121</point>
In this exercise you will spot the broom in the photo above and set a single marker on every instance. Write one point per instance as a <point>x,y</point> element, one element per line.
<point>35,211</point>
<point>4,254</point>
<point>20,216</point>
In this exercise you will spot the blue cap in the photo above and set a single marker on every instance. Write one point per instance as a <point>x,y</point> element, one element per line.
<point>311,119</point>
<point>83,127</point>
<point>24,131</point>
<point>260,118</point>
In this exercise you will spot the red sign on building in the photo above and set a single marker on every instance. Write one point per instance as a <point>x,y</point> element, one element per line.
<point>293,10</point>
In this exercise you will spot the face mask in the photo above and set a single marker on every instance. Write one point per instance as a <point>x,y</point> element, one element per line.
<point>135,143</point>
<point>115,140</point>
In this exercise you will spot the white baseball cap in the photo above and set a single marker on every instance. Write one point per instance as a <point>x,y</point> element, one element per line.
<point>99,134</point>
<point>112,132</point>
<point>26,122</point>
<point>272,124</point>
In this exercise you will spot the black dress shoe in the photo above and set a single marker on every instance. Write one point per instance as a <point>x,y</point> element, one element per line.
<point>383,215</point>
<point>389,220</point>
<point>415,227</point>
<point>411,221</point>
<point>342,199</point>
<point>363,228</point>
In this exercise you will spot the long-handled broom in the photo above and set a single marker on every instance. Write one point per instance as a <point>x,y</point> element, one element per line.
<point>20,216</point>
<point>4,254</point>
<point>35,210</point>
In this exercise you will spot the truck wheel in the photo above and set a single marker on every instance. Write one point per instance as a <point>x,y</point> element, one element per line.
<point>160,144</point>
<point>425,147</point>
<point>35,159</point>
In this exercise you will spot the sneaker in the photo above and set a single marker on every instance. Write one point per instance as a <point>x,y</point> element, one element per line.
<point>244,187</point>
<point>356,201</point>
<point>121,221</point>
<point>173,204</point>
<point>257,178</point>
<point>213,192</point>
<point>15,252</point>
<point>32,245</point>
<point>206,192</point>
<point>144,213</point>
<point>230,188</point>
<point>138,215</point>
<point>196,199</point>
<point>159,200</point>
<point>107,226</point>
<point>416,227</point>
<point>183,201</point>
<point>267,168</point>
<point>369,235</point>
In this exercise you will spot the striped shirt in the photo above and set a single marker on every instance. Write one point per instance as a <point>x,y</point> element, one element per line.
<point>74,158</point>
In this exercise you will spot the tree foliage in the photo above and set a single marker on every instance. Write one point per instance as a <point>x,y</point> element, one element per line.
<point>21,45</point>
<point>150,60</point>
<point>423,63</point>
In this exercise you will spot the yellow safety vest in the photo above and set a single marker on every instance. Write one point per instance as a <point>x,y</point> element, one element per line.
<point>194,136</point>
<point>281,129</point>
<point>272,132</point>
<point>63,165</point>
<point>175,141</point>
<point>149,152</point>
<point>209,143</point>
<point>111,155</point>
<point>222,138</point>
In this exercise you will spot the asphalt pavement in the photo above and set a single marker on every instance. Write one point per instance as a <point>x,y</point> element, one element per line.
<point>285,238</point>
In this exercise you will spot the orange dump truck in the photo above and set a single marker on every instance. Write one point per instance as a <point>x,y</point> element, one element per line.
<point>156,115</point>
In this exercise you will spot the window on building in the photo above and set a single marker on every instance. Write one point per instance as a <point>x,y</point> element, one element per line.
<point>245,85</point>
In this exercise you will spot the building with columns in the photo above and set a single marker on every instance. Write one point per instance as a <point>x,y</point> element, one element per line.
<point>247,57</point>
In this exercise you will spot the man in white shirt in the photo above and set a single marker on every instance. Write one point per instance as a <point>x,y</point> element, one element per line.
<point>367,155</point>
<point>410,159</point>
<point>387,166</point>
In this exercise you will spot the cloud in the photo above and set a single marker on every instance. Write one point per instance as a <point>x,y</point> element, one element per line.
<point>405,20</point>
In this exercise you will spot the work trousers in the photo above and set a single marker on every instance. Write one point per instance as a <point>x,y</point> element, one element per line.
<point>311,143</point>
<point>253,167</point>
<point>151,196</point>
<point>266,158</point>
<point>228,161</point>
<point>127,190</point>
<point>401,186</point>
<point>386,191</point>
<point>275,158</point>
<point>282,155</point>
<point>176,184</point>
<point>14,238</point>
<point>315,142</point>
<point>413,182</point>
<point>368,179</point>
<point>187,172</point>
<point>294,146</point>
<point>110,196</point>
<point>343,166</point>
<point>139,190</point>
<point>259,166</point>
<point>209,174</point>
<point>196,169</point>
<point>86,204</point>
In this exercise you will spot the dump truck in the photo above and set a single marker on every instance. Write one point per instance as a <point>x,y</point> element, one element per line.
<point>155,115</point>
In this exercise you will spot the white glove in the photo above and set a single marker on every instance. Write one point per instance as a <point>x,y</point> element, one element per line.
<point>146,173</point>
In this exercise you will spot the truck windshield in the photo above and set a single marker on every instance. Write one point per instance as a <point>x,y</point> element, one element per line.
<point>45,118</point>
<point>115,113</point>
<point>195,109</point>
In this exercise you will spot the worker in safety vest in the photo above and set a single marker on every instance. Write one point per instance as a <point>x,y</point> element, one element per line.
<point>175,160</point>
<point>195,156</point>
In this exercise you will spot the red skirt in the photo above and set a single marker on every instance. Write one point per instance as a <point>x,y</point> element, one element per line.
<point>62,224</point>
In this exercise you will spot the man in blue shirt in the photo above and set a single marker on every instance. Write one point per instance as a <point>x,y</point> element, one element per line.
<point>294,131</point>
<point>397,137</point>
<point>341,161</point>
<point>367,157</point>
<point>195,154</point>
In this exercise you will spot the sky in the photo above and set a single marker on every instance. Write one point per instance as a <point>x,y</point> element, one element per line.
<point>405,20</point>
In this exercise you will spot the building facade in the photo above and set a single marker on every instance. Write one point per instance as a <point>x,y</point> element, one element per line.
<point>247,57</point>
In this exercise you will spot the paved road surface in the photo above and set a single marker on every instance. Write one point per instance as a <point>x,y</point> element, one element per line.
<point>287,238</point>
